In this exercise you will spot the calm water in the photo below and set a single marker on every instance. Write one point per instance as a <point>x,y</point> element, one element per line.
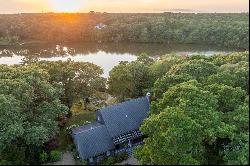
<point>105,55</point>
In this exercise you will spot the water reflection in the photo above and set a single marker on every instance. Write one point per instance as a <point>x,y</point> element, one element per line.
<point>106,55</point>
<point>61,50</point>
<point>106,60</point>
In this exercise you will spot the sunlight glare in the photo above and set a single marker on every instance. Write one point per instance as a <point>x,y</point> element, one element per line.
<point>67,5</point>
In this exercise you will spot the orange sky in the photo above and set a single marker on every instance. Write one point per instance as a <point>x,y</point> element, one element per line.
<point>17,6</point>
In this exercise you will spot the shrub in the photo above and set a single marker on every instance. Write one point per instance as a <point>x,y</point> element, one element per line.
<point>76,125</point>
<point>43,157</point>
<point>83,162</point>
<point>114,159</point>
<point>108,161</point>
<point>51,144</point>
<point>72,147</point>
<point>55,155</point>
<point>5,162</point>
<point>75,154</point>
<point>121,157</point>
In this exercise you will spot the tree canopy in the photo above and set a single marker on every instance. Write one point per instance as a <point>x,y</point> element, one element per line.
<point>33,97</point>
<point>220,29</point>
<point>199,111</point>
<point>29,109</point>
<point>79,79</point>
<point>130,79</point>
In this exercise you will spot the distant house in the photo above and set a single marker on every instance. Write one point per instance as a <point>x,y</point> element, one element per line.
<point>100,26</point>
<point>115,131</point>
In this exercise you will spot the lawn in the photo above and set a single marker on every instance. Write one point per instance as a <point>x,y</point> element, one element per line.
<point>79,117</point>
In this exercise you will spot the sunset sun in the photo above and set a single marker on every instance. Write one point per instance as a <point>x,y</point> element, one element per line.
<point>67,5</point>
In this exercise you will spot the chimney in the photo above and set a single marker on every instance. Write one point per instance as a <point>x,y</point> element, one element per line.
<point>148,96</point>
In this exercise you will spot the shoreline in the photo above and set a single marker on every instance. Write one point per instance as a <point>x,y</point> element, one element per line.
<point>31,43</point>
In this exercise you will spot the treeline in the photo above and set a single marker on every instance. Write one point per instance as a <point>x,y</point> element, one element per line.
<point>225,30</point>
<point>199,111</point>
<point>34,98</point>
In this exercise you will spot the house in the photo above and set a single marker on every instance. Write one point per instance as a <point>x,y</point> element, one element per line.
<point>115,131</point>
<point>100,26</point>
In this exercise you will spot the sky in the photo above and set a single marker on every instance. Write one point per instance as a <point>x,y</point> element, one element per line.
<point>123,6</point>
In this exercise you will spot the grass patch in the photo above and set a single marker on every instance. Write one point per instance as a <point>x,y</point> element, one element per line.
<point>4,42</point>
<point>79,117</point>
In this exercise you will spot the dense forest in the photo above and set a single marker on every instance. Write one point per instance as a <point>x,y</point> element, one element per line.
<point>34,97</point>
<point>199,111</point>
<point>226,30</point>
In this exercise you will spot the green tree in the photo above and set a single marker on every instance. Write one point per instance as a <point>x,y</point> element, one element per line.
<point>199,113</point>
<point>235,75</point>
<point>129,80</point>
<point>160,67</point>
<point>29,108</point>
<point>184,119</point>
<point>200,69</point>
<point>164,83</point>
<point>78,79</point>
<point>229,98</point>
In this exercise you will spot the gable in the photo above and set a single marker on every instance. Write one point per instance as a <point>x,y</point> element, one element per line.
<point>91,140</point>
<point>125,117</point>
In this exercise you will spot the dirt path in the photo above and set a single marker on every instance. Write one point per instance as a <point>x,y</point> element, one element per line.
<point>67,159</point>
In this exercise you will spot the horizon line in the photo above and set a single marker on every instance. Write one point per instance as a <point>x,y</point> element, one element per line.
<point>103,12</point>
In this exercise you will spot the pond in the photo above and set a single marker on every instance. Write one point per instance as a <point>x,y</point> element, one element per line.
<point>106,55</point>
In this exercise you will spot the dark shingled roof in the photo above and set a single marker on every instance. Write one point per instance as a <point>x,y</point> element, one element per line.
<point>126,116</point>
<point>92,139</point>
<point>96,138</point>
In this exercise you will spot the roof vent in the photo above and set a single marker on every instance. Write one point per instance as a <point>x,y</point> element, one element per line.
<point>126,116</point>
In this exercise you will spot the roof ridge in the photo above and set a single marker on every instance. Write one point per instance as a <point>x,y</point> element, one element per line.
<point>91,128</point>
<point>77,130</point>
<point>117,104</point>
